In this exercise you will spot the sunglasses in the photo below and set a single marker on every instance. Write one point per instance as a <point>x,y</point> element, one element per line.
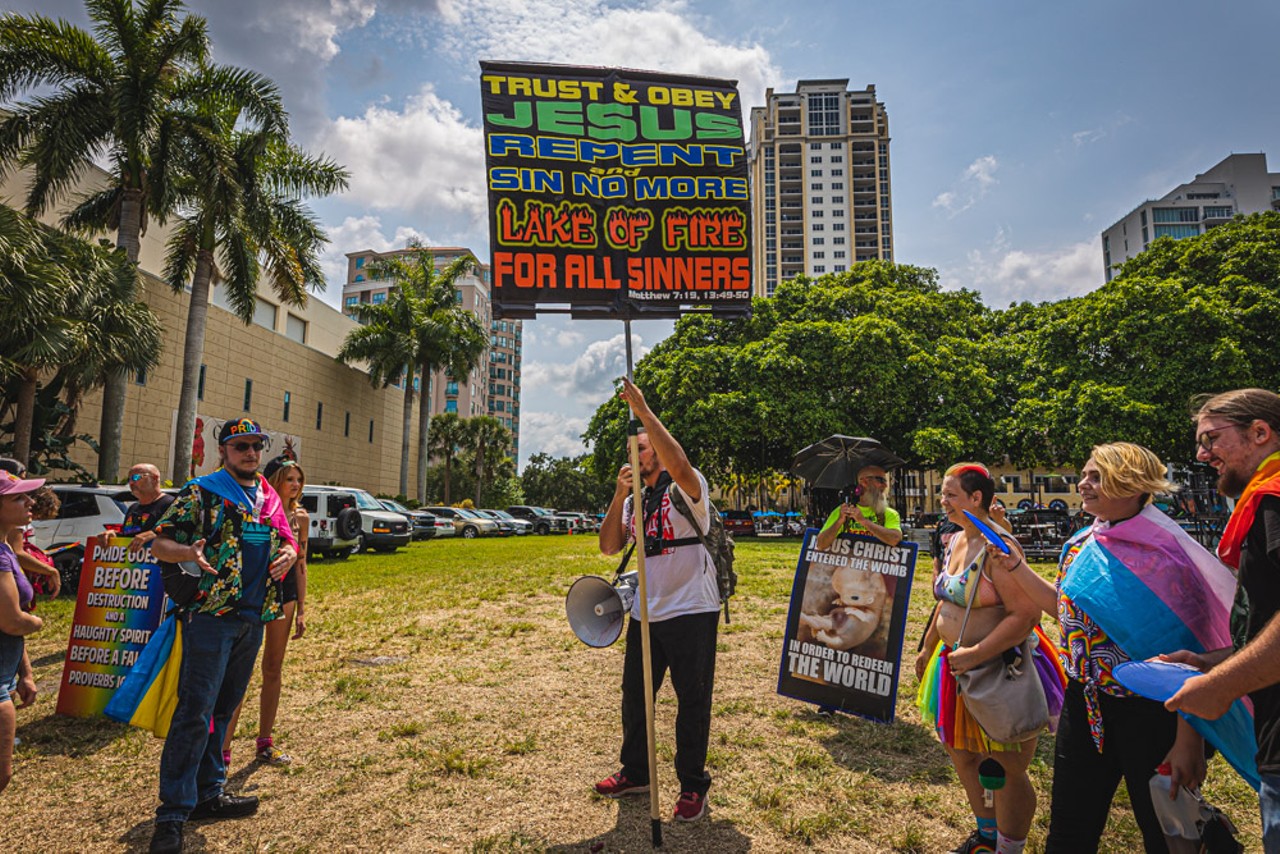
<point>245,447</point>
<point>137,476</point>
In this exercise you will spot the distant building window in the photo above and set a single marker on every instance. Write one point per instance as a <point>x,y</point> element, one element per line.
<point>819,268</point>
<point>346,426</point>
<point>1224,212</point>
<point>371,430</point>
<point>352,301</point>
<point>359,263</point>
<point>451,406</point>
<point>248,394</point>
<point>1191,214</point>
<point>359,278</point>
<point>264,314</point>
<point>295,328</point>
<point>451,387</point>
<point>378,299</point>
<point>319,416</point>
<point>140,376</point>
<point>287,398</point>
<point>200,384</point>
<point>1177,231</point>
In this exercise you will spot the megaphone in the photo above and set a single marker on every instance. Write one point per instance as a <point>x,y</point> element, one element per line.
<point>596,609</point>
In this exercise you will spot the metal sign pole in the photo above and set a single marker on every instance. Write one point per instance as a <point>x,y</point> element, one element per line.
<point>637,518</point>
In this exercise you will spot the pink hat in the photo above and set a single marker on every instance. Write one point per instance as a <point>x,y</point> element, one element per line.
<point>10,484</point>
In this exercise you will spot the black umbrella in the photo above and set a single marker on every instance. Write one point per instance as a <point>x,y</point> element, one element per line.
<point>834,462</point>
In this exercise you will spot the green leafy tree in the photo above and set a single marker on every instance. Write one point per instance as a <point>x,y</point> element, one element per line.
<point>240,218</point>
<point>569,483</point>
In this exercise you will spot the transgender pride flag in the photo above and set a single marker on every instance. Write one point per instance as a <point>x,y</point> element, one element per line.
<point>1155,590</point>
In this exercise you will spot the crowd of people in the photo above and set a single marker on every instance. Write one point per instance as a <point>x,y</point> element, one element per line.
<point>243,535</point>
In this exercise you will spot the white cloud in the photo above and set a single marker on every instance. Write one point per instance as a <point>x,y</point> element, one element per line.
<point>661,35</point>
<point>974,183</point>
<point>356,234</point>
<point>588,379</point>
<point>424,160</point>
<point>1084,137</point>
<point>1004,274</point>
<point>551,433</point>
<point>568,338</point>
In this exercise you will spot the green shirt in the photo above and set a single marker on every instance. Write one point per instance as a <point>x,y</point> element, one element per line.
<point>892,520</point>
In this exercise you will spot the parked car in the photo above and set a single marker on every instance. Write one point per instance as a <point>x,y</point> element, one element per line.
<point>522,527</point>
<point>739,523</point>
<point>468,523</point>
<point>544,521</point>
<point>335,521</point>
<point>379,528</point>
<point>506,527</point>
<point>424,523</point>
<point>579,523</point>
<point>86,511</point>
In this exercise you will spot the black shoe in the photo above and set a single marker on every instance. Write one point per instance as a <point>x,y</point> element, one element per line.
<point>167,838</point>
<point>225,806</point>
<point>975,844</point>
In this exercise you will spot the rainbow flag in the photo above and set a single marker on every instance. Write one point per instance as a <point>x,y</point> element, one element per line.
<point>1155,590</point>
<point>149,693</point>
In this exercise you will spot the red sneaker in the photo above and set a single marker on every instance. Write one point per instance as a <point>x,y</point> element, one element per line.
<point>618,785</point>
<point>690,807</point>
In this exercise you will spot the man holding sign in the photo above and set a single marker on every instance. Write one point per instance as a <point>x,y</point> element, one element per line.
<point>684,606</point>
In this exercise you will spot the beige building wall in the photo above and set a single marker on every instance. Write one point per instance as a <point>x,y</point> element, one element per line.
<point>234,353</point>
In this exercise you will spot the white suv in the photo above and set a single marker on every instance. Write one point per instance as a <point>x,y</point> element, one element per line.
<point>86,511</point>
<point>335,521</point>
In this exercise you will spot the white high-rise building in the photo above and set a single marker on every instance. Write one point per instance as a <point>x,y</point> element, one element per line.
<point>1239,184</point>
<point>821,197</point>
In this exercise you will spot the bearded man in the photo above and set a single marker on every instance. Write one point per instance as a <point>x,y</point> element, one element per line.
<point>871,515</point>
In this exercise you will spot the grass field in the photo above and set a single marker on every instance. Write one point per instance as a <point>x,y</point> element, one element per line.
<point>439,702</point>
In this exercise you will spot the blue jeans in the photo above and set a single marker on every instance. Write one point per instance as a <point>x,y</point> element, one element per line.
<point>1269,800</point>
<point>218,654</point>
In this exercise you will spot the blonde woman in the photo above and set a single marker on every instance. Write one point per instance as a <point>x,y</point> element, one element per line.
<point>1129,587</point>
<point>288,479</point>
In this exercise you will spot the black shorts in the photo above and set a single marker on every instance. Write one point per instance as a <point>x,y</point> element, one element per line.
<point>289,587</point>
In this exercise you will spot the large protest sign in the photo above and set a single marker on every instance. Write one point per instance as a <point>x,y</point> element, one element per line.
<point>118,606</point>
<point>615,193</point>
<point>845,627</point>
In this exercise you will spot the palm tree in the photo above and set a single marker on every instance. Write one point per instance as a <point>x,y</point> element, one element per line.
<point>449,437</point>
<point>452,340</point>
<point>108,95</point>
<point>239,216</point>
<point>491,442</point>
<point>445,336</point>
<point>385,344</point>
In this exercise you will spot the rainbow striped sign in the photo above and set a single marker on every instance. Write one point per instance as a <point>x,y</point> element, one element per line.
<point>118,606</point>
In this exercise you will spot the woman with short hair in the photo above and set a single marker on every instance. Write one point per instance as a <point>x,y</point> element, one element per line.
<point>1130,586</point>
<point>982,616</point>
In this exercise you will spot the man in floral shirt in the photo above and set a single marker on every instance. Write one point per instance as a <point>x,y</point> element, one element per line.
<point>229,529</point>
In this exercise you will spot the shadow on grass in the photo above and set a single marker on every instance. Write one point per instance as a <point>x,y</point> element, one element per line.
<point>58,735</point>
<point>633,832</point>
<point>137,839</point>
<point>894,753</point>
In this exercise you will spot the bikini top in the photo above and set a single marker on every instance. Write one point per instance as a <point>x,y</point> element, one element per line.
<point>954,588</point>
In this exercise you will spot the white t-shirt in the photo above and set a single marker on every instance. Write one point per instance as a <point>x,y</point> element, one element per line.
<point>681,580</point>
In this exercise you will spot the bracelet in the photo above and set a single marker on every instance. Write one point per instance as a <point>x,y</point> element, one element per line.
<point>1020,562</point>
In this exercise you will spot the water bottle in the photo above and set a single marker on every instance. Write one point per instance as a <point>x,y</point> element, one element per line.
<point>1180,817</point>
<point>190,567</point>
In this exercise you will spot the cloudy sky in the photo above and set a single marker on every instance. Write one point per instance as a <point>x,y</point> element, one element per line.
<point>1020,130</point>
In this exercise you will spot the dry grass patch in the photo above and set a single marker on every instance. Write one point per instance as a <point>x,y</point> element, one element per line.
<point>439,702</point>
